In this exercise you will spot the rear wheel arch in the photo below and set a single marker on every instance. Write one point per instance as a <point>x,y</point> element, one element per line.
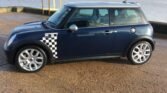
<point>140,52</point>
<point>139,40</point>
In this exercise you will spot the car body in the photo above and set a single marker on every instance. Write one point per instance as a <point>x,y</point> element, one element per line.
<point>83,31</point>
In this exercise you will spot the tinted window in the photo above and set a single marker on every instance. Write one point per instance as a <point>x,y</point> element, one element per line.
<point>127,17</point>
<point>103,18</point>
<point>90,18</point>
<point>85,12</point>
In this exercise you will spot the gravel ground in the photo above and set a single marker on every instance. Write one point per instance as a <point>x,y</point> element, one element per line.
<point>90,76</point>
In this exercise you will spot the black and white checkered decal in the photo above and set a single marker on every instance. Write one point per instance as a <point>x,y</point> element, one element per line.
<point>50,39</point>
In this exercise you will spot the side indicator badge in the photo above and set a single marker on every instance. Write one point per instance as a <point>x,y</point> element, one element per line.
<point>133,30</point>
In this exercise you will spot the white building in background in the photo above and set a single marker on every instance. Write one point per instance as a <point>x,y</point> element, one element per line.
<point>155,10</point>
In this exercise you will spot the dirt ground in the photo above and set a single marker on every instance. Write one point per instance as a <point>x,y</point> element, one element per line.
<point>95,76</point>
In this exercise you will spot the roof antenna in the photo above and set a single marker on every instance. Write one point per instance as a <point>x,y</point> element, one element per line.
<point>125,1</point>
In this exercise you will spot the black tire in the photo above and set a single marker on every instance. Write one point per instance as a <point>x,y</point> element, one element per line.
<point>130,54</point>
<point>18,64</point>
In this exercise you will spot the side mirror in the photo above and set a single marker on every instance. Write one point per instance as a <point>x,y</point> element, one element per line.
<point>73,28</point>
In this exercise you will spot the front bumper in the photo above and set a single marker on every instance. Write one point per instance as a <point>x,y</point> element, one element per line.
<point>9,54</point>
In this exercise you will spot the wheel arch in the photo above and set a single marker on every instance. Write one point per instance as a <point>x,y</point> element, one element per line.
<point>38,44</point>
<point>148,39</point>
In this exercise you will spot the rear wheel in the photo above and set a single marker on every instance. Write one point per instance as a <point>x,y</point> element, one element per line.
<point>140,53</point>
<point>31,59</point>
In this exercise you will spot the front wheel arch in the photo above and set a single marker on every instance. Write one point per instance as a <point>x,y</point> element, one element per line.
<point>42,46</point>
<point>31,61</point>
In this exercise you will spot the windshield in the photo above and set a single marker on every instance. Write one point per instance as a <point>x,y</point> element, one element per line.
<point>58,16</point>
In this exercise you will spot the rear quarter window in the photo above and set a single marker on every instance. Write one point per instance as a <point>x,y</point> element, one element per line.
<point>128,16</point>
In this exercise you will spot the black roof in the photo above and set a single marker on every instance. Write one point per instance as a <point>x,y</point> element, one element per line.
<point>102,4</point>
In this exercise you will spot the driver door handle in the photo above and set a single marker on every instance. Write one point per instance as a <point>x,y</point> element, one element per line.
<point>110,31</point>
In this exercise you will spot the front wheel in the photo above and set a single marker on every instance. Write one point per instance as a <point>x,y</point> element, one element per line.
<point>140,53</point>
<point>31,59</point>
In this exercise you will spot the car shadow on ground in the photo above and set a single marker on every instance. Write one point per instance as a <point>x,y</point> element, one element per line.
<point>108,60</point>
<point>116,60</point>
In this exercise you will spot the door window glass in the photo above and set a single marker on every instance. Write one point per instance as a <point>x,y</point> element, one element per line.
<point>103,18</point>
<point>85,13</point>
<point>82,18</point>
<point>90,18</point>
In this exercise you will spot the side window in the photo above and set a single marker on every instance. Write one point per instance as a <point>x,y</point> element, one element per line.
<point>86,12</point>
<point>126,17</point>
<point>90,18</point>
<point>82,18</point>
<point>102,18</point>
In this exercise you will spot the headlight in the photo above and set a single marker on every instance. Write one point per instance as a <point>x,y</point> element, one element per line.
<point>11,40</point>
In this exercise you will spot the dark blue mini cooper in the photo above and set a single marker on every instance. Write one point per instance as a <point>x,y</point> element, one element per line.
<point>82,31</point>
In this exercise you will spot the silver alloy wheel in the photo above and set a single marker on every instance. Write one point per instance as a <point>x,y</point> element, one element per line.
<point>31,59</point>
<point>141,52</point>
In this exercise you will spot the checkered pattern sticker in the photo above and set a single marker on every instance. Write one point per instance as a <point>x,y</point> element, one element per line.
<point>50,39</point>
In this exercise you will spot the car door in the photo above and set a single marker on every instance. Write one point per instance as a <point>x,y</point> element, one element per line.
<point>93,38</point>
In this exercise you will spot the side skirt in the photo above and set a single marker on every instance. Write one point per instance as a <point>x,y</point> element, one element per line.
<point>85,58</point>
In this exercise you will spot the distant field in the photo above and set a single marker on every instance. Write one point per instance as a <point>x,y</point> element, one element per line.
<point>155,9</point>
